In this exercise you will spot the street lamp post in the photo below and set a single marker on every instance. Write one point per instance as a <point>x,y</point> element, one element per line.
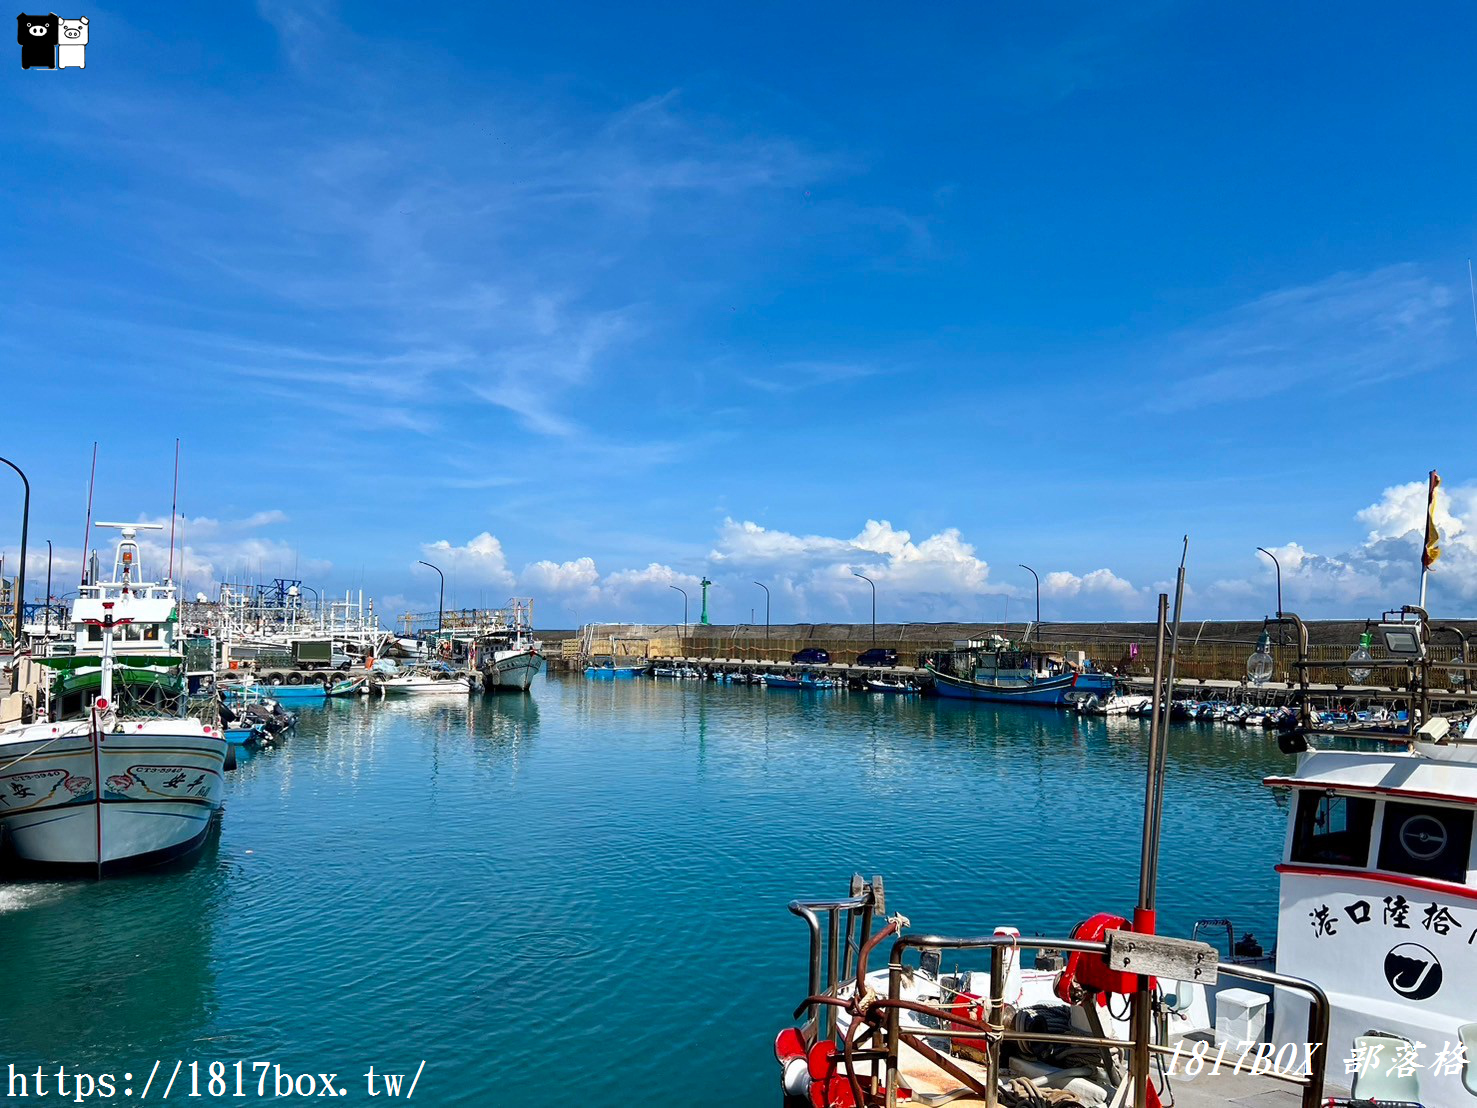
<point>684,614</point>
<point>869,581</point>
<point>20,584</point>
<point>1278,564</point>
<point>1032,572</point>
<point>765,587</point>
<point>441,600</point>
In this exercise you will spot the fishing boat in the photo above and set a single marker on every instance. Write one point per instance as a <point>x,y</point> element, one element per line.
<point>802,681</point>
<point>426,680</point>
<point>1378,890</point>
<point>506,653</point>
<point>995,670</point>
<point>128,771</point>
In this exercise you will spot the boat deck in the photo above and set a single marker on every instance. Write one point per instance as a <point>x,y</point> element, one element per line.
<point>931,1086</point>
<point>1252,1091</point>
<point>1206,1091</point>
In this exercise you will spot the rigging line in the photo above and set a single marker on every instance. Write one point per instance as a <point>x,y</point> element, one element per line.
<point>173,509</point>
<point>87,532</point>
<point>1473,286</point>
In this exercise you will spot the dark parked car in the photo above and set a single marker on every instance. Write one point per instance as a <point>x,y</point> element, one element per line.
<point>877,656</point>
<point>811,656</point>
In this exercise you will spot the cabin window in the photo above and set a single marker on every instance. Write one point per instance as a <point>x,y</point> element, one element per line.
<point>1426,841</point>
<point>1332,830</point>
<point>151,632</point>
<point>94,634</point>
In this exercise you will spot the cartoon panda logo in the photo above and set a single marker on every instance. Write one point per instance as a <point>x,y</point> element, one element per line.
<point>37,35</point>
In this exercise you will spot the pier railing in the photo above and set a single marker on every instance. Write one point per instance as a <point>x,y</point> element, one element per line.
<point>1196,662</point>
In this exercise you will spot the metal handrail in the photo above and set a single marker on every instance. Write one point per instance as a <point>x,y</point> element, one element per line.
<point>1318,1011</point>
<point>860,909</point>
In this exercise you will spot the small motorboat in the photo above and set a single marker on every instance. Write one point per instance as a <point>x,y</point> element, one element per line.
<point>891,686</point>
<point>349,686</point>
<point>426,680</point>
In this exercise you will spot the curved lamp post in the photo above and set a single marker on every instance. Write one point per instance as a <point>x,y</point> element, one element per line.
<point>765,587</point>
<point>1278,564</point>
<point>869,581</point>
<point>20,584</point>
<point>441,600</point>
<point>1032,572</point>
<point>684,614</point>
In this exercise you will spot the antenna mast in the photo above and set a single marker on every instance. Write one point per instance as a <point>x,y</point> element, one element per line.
<point>87,532</point>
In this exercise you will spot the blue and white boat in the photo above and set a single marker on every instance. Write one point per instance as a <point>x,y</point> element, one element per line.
<point>803,681</point>
<point>614,672</point>
<point>309,691</point>
<point>1016,675</point>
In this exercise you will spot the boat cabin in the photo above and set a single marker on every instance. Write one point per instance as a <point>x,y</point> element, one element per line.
<point>1378,904</point>
<point>145,644</point>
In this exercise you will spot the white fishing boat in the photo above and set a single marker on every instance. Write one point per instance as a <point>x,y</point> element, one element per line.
<point>1118,704</point>
<point>121,775</point>
<point>506,654</point>
<point>1378,885</point>
<point>425,681</point>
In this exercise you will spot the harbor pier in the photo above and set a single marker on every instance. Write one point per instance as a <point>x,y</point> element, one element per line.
<point>1211,658</point>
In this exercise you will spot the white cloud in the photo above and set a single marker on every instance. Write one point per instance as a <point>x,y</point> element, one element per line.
<point>576,576</point>
<point>1345,331</point>
<point>479,561</point>
<point>1100,582</point>
<point>1383,570</point>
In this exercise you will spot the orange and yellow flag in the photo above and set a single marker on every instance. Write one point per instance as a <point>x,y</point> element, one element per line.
<point>1433,536</point>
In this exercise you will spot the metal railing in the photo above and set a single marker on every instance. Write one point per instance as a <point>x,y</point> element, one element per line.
<point>837,950</point>
<point>1311,1084</point>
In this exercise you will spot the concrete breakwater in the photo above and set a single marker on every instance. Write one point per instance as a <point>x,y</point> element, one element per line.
<point>1209,650</point>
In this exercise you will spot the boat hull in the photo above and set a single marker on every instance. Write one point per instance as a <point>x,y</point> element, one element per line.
<point>511,670</point>
<point>425,686</point>
<point>1053,692</point>
<point>606,673</point>
<point>313,691</point>
<point>161,785</point>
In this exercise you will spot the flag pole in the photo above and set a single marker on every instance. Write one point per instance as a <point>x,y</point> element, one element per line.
<point>1430,548</point>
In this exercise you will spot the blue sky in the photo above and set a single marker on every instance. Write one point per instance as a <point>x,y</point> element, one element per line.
<point>580,301</point>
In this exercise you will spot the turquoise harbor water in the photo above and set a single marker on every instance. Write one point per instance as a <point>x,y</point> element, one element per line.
<point>586,888</point>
